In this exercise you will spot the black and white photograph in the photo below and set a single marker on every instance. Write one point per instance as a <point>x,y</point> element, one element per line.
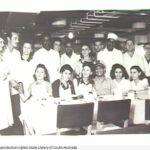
<point>75,72</point>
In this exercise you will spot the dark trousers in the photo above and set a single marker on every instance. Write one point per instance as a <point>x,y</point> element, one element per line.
<point>17,128</point>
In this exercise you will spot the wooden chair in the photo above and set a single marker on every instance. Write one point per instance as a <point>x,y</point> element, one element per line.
<point>75,116</point>
<point>110,112</point>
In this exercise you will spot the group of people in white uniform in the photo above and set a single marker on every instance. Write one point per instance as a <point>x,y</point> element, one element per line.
<point>26,75</point>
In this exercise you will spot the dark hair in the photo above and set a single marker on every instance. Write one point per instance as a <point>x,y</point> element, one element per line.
<point>90,54</point>
<point>116,66</point>
<point>31,54</point>
<point>46,78</point>
<point>129,40</point>
<point>99,40</point>
<point>89,64</point>
<point>66,67</point>
<point>56,39</point>
<point>142,75</point>
<point>9,33</point>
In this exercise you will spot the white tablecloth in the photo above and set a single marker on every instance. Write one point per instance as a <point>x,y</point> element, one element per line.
<point>42,115</point>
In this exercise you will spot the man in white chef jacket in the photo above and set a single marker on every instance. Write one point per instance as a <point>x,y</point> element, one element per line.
<point>110,55</point>
<point>49,57</point>
<point>12,58</point>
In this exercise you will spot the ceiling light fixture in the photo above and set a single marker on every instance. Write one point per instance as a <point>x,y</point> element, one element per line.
<point>88,21</point>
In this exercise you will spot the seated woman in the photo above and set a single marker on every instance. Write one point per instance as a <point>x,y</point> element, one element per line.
<point>86,56</point>
<point>64,87</point>
<point>85,84</point>
<point>39,104</point>
<point>41,87</point>
<point>120,78</point>
<point>138,79</point>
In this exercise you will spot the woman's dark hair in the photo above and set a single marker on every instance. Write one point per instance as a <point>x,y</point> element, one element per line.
<point>66,67</point>
<point>46,78</point>
<point>124,72</point>
<point>31,54</point>
<point>142,75</point>
<point>91,54</point>
<point>91,66</point>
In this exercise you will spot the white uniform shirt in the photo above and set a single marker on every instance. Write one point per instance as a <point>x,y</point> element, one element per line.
<point>50,59</point>
<point>25,74</point>
<point>132,61</point>
<point>141,85</point>
<point>72,61</point>
<point>110,58</point>
<point>12,59</point>
<point>123,85</point>
<point>146,67</point>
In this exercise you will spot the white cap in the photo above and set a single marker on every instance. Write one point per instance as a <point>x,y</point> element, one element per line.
<point>112,36</point>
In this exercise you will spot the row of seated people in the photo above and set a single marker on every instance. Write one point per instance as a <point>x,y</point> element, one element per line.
<point>93,81</point>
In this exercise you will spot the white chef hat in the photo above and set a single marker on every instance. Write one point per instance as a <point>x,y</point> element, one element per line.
<point>112,36</point>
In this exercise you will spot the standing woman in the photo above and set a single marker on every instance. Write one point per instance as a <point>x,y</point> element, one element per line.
<point>120,78</point>
<point>26,67</point>
<point>139,81</point>
<point>64,87</point>
<point>86,56</point>
<point>6,115</point>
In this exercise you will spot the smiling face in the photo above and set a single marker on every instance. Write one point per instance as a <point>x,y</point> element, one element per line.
<point>1,44</point>
<point>110,45</point>
<point>130,45</point>
<point>57,45</point>
<point>69,49</point>
<point>135,74</point>
<point>86,72</point>
<point>66,75</point>
<point>100,71</point>
<point>46,42</point>
<point>98,46</point>
<point>27,48</point>
<point>118,73</point>
<point>40,73</point>
<point>14,40</point>
<point>85,51</point>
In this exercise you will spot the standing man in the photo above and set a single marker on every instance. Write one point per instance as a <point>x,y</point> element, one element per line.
<point>12,58</point>
<point>49,57</point>
<point>69,57</point>
<point>130,58</point>
<point>57,46</point>
<point>110,55</point>
<point>99,46</point>
<point>147,60</point>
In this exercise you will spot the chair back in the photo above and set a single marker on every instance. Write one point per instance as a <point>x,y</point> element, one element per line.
<point>147,109</point>
<point>75,115</point>
<point>112,111</point>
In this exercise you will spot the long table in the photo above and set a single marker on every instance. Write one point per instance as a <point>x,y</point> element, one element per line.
<point>40,117</point>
